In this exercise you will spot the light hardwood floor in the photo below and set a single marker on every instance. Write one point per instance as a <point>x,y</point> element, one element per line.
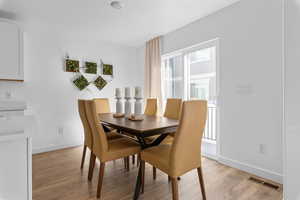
<point>57,176</point>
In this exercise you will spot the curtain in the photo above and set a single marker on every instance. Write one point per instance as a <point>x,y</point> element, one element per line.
<point>153,70</point>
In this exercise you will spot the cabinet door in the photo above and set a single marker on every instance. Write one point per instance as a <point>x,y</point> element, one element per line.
<point>10,51</point>
<point>13,170</point>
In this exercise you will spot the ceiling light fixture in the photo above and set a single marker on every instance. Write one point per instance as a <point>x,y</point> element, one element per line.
<point>116,4</point>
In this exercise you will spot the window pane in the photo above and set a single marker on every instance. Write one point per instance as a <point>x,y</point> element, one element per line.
<point>173,77</point>
<point>202,75</point>
<point>201,56</point>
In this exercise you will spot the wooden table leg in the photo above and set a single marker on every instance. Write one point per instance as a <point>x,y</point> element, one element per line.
<point>154,173</point>
<point>138,184</point>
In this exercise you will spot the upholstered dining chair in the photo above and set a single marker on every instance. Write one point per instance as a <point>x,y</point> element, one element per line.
<point>151,107</point>
<point>88,138</point>
<point>103,149</point>
<point>151,110</point>
<point>184,154</point>
<point>173,108</point>
<point>172,111</point>
<point>102,106</point>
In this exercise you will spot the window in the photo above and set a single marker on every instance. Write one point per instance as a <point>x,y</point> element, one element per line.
<point>173,77</point>
<point>190,73</point>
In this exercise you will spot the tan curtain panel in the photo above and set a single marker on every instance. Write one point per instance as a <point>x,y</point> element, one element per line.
<point>153,70</point>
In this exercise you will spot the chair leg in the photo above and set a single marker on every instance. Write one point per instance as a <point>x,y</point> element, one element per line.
<point>133,159</point>
<point>125,162</point>
<point>175,188</point>
<point>143,175</point>
<point>92,166</point>
<point>100,180</point>
<point>154,173</point>
<point>201,181</point>
<point>83,156</point>
<point>128,163</point>
<point>138,160</point>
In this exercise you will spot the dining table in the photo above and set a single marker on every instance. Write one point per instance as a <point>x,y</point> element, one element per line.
<point>139,131</point>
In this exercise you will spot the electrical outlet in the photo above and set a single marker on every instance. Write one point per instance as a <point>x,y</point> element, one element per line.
<point>262,148</point>
<point>60,131</point>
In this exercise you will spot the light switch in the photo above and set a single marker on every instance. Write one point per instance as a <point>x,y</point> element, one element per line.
<point>244,89</point>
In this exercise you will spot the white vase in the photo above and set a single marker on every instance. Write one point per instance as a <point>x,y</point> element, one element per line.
<point>119,106</point>
<point>138,107</point>
<point>127,107</point>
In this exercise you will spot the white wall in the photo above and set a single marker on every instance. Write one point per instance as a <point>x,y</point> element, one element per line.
<point>292,99</point>
<point>250,34</point>
<point>48,90</point>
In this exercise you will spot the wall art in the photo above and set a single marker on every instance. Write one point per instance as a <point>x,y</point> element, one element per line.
<point>100,83</point>
<point>72,65</point>
<point>90,67</point>
<point>81,82</point>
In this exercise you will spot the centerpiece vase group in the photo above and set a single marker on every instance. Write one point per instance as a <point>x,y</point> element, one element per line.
<point>138,104</point>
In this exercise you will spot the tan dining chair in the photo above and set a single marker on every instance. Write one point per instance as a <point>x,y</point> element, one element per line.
<point>172,111</point>
<point>103,149</point>
<point>103,106</point>
<point>173,108</point>
<point>184,154</point>
<point>151,107</point>
<point>88,138</point>
<point>151,110</point>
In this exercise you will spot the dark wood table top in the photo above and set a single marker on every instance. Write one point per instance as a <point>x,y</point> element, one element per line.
<point>151,125</point>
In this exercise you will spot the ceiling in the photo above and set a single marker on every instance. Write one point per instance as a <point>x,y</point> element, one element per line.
<point>137,22</point>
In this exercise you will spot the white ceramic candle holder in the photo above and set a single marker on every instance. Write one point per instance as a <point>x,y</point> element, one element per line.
<point>138,107</point>
<point>119,106</point>
<point>127,107</point>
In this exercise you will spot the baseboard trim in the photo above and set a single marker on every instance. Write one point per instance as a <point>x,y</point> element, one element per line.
<point>53,148</point>
<point>209,156</point>
<point>266,174</point>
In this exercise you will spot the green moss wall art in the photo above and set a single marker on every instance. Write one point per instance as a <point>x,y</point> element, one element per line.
<point>72,65</point>
<point>81,82</point>
<point>107,69</point>
<point>90,68</point>
<point>100,83</point>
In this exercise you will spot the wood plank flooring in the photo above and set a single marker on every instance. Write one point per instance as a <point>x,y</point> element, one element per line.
<point>57,176</point>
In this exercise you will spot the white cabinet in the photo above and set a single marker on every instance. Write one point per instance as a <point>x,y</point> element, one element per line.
<point>9,108</point>
<point>15,162</point>
<point>16,158</point>
<point>7,105</point>
<point>11,51</point>
<point>15,151</point>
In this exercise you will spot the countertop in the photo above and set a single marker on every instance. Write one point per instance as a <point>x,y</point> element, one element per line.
<point>12,105</point>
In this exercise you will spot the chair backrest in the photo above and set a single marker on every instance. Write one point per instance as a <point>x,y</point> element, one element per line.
<point>186,148</point>
<point>88,137</point>
<point>100,144</point>
<point>173,108</point>
<point>151,106</point>
<point>102,105</point>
